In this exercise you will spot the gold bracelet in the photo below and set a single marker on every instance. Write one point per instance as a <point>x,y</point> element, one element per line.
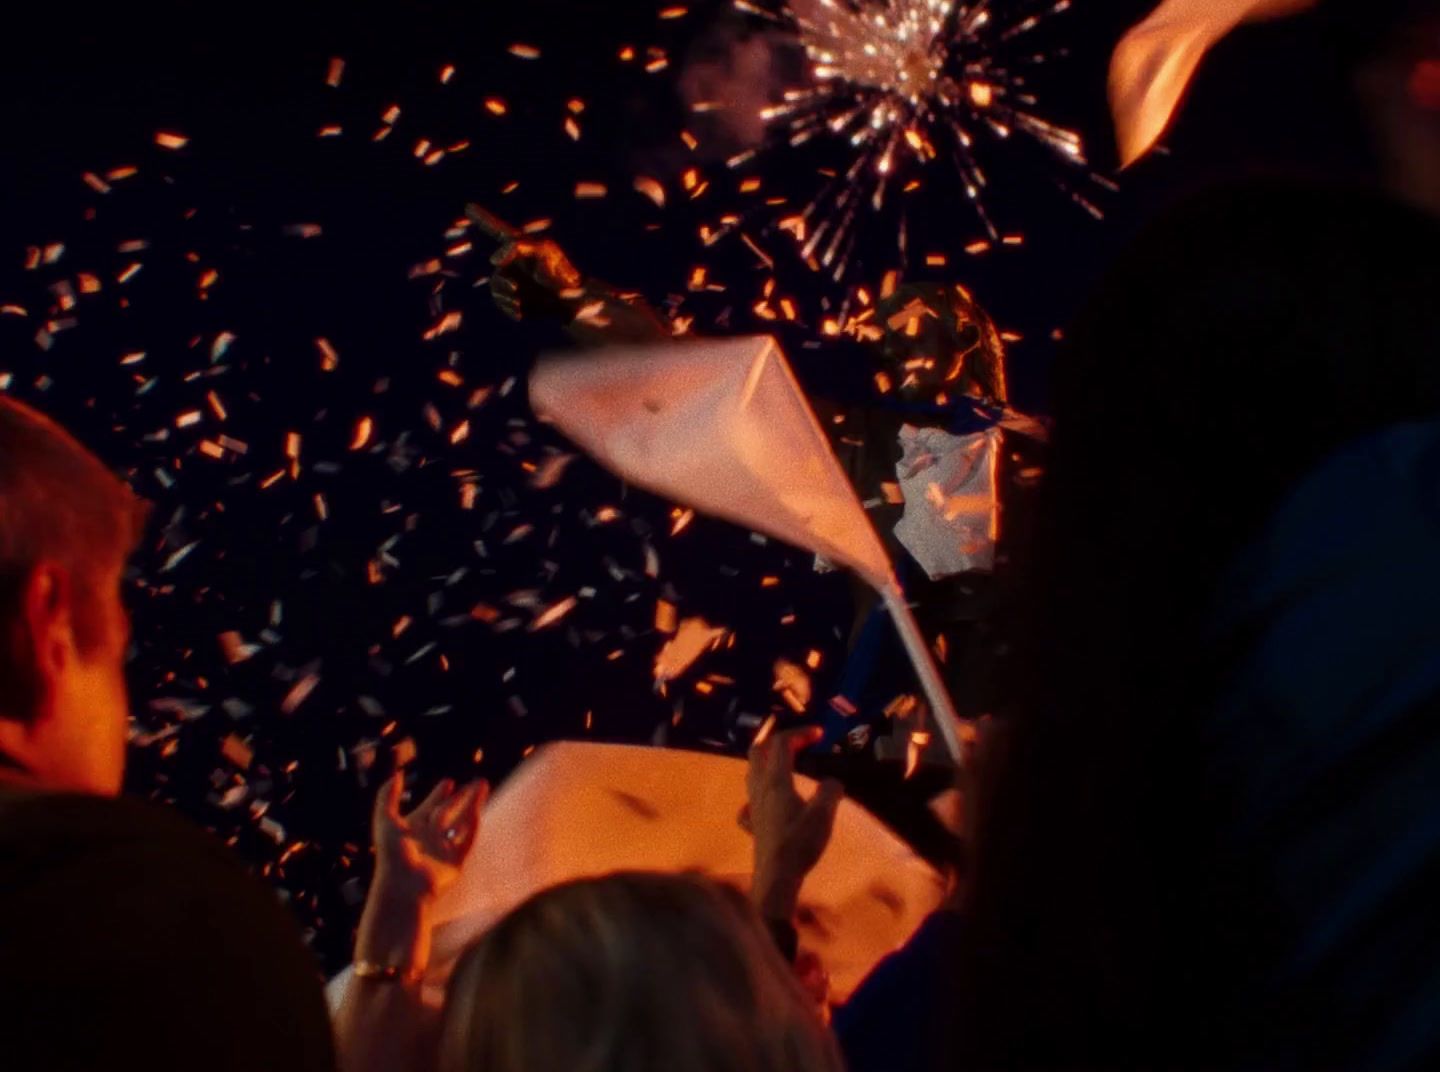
<point>386,973</point>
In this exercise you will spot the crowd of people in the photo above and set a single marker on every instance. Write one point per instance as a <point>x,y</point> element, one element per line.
<point>1204,831</point>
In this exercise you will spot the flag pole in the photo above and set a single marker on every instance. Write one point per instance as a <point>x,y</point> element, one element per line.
<point>946,717</point>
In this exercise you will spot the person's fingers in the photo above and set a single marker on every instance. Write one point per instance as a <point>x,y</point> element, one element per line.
<point>779,759</point>
<point>796,741</point>
<point>775,770</point>
<point>756,755</point>
<point>822,809</point>
<point>478,802</point>
<point>764,733</point>
<point>511,252</point>
<point>457,808</point>
<point>827,799</point>
<point>387,801</point>
<point>761,747</point>
<point>755,783</point>
<point>769,762</point>
<point>743,818</point>
<point>823,806</point>
<point>475,814</point>
<point>438,796</point>
<point>507,254</point>
<point>459,823</point>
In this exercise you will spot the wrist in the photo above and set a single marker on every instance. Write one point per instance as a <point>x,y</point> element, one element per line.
<point>776,891</point>
<point>399,887</point>
<point>394,929</point>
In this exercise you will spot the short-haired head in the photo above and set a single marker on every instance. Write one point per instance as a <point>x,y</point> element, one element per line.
<point>67,525</point>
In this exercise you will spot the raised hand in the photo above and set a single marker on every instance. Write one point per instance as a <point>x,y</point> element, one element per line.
<point>420,854</point>
<point>790,833</point>
<point>535,280</point>
<point>382,1023</point>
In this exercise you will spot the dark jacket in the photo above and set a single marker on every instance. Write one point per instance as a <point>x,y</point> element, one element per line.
<point>129,939</point>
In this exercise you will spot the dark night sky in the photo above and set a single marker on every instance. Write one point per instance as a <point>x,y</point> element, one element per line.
<point>85,87</point>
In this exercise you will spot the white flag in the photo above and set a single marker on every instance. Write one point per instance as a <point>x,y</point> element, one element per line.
<point>582,809</point>
<point>720,425</point>
<point>577,810</point>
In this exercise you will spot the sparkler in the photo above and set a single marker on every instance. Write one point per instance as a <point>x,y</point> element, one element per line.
<point>907,83</point>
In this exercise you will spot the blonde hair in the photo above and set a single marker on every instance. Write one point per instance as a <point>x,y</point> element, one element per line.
<point>631,973</point>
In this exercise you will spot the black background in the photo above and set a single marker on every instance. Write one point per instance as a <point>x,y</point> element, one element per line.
<point>86,87</point>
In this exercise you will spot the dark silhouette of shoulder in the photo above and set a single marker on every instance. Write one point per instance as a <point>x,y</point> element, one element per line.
<point>129,938</point>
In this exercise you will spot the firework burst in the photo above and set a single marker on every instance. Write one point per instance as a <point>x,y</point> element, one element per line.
<point>908,83</point>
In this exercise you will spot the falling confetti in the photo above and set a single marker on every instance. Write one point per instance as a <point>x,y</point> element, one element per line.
<point>366,552</point>
<point>693,638</point>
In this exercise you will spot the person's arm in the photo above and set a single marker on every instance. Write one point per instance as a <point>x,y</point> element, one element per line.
<point>535,280</point>
<point>902,1016</point>
<point>790,833</point>
<point>382,1024</point>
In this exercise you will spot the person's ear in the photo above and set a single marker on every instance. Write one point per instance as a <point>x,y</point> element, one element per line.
<point>48,620</point>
